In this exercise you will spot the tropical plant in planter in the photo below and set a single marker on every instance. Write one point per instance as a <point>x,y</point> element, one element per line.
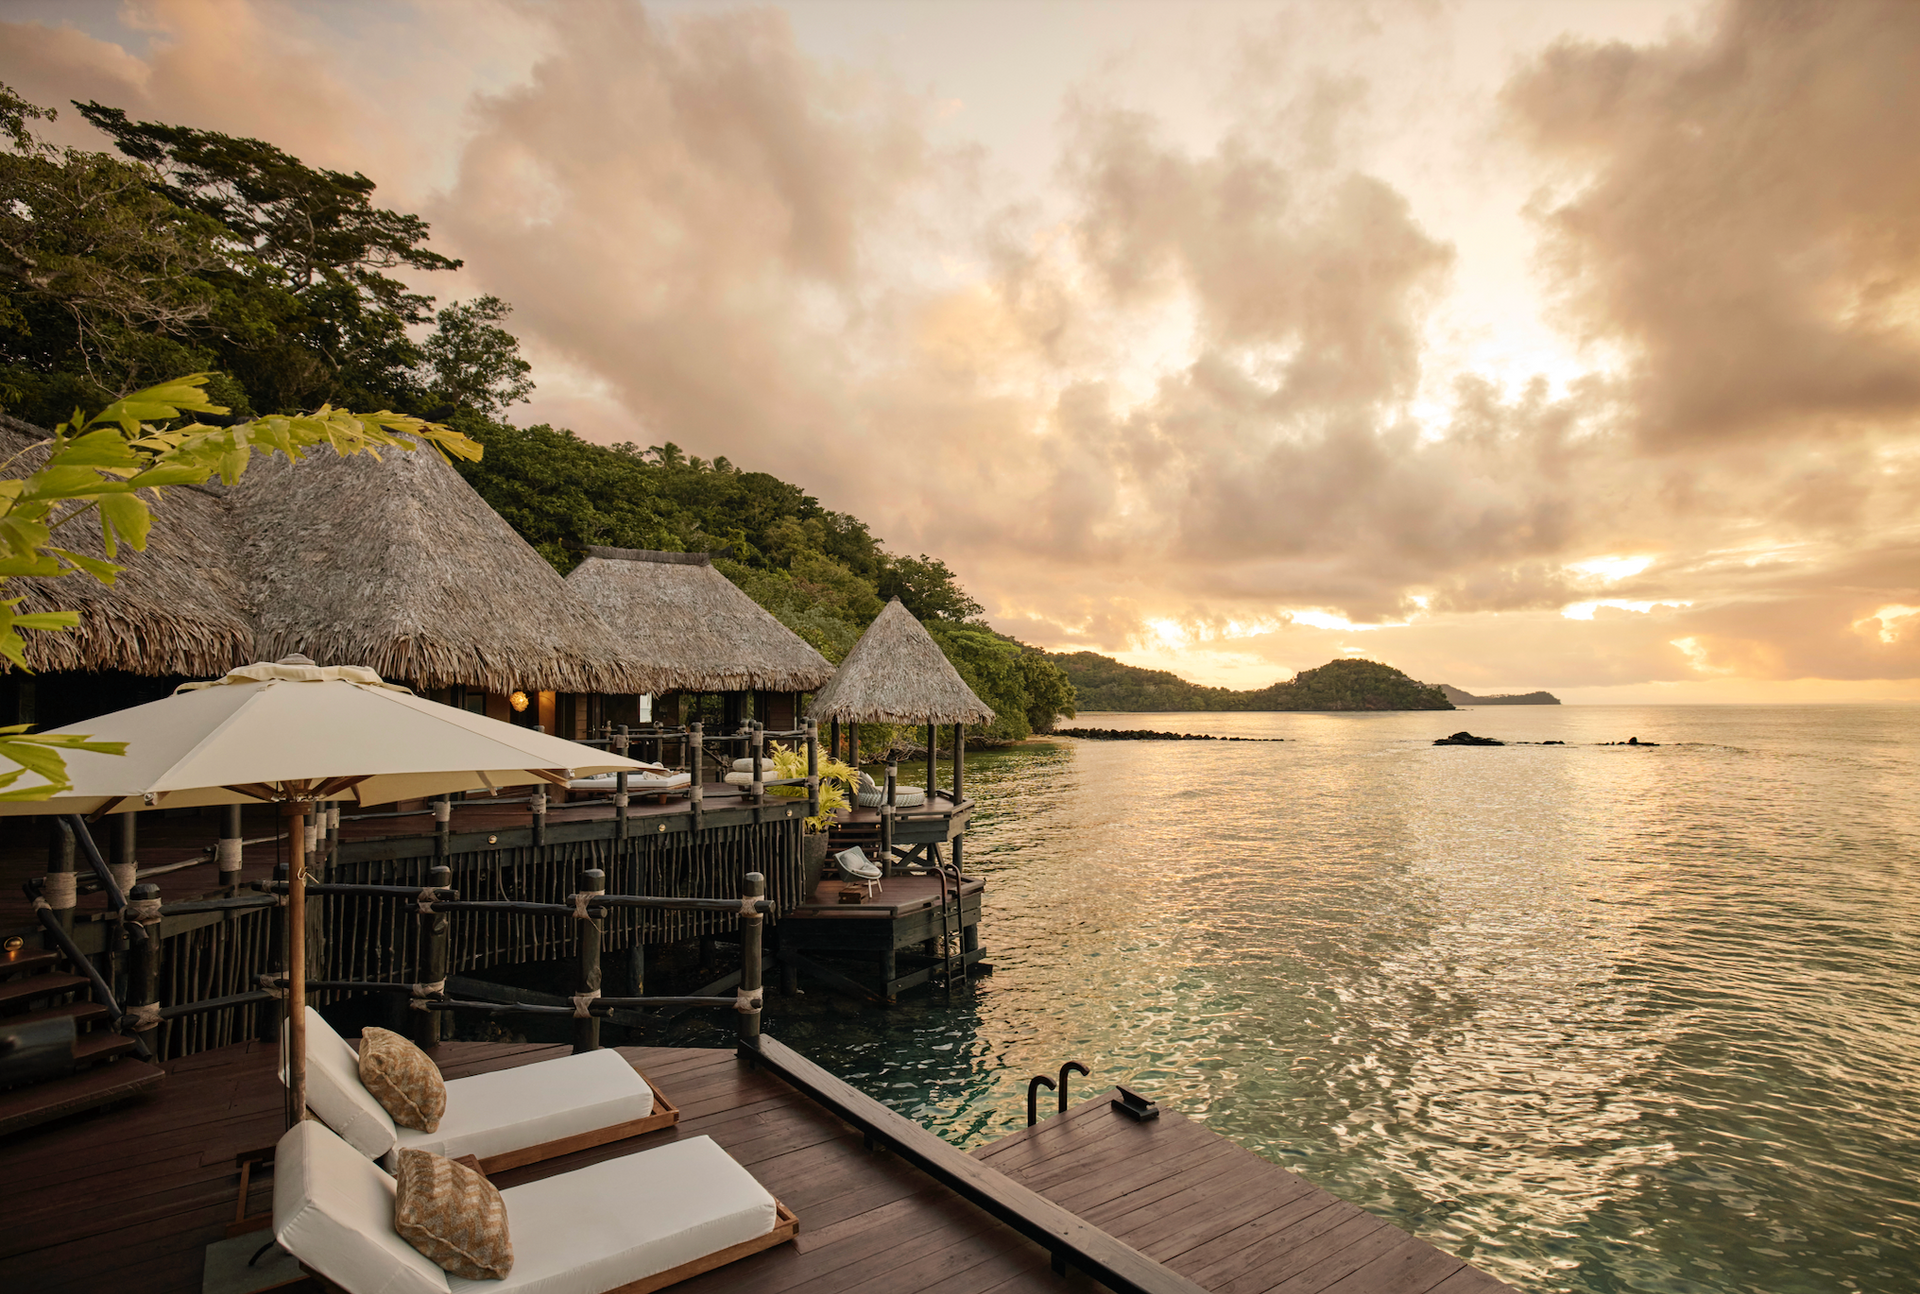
<point>836,779</point>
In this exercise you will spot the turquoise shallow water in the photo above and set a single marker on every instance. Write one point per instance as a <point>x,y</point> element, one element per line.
<point>1596,1019</point>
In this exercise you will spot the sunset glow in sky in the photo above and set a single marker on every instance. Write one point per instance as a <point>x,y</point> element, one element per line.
<point>1517,345</point>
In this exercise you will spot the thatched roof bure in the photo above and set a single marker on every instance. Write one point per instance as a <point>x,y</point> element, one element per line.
<point>179,607</point>
<point>393,563</point>
<point>690,628</point>
<point>397,564</point>
<point>897,673</point>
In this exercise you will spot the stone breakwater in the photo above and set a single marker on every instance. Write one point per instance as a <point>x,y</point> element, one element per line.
<point>1146,734</point>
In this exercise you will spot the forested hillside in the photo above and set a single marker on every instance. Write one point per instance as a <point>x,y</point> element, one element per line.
<point>1102,683</point>
<point>194,251</point>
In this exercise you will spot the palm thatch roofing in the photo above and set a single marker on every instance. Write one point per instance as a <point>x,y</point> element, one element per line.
<point>690,628</point>
<point>897,673</point>
<point>393,563</point>
<point>179,607</point>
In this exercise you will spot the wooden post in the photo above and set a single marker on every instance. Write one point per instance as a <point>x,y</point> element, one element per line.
<point>143,965</point>
<point>124,867</point>
<point>538,803</point>
<point>294,814</point>
<point>813,768</point>
<point>696,740</point>
<point>277,957</point>
<point>435,927</point>
<point>932,762</point>
<point>621,743</point>
<point>442,825</point>
<point>61,887</point>
<point>833,739</point>
<point>886,817</point>
<point>959,761</point>
<point>756,746</point>
<point>748,1000</point>
<point>586,1027</point>
<point>637,967</point>
<point>226,852</point>
<point>853,752</point>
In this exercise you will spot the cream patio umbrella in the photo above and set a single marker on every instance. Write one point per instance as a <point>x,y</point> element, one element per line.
<point>295,733</point>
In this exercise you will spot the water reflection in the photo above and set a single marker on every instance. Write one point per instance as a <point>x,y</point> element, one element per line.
<point>1596,1018</point>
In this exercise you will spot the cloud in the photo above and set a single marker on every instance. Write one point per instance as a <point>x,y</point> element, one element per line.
<point>1187,401</point>
<point>1736,207</point>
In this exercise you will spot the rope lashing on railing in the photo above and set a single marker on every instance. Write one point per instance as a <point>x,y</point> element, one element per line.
<point>143,910</point>
<point>125,875</point>
<point>138,1019</point>
<point>443,810</point>
<point>537,802</point>
<point>580,902</point>
<point>62,890</point>
<point>751,907</point>
<point>425,901</point>
<point>747,1002</point>
<point>620,800</point>
<point>41,905</point>
<point>583,1003</point>
<point>436,989</point>
<point>271,984</point>
<point>226,854</point>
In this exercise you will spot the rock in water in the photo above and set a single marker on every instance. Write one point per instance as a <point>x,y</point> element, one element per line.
<point>1467,739</point>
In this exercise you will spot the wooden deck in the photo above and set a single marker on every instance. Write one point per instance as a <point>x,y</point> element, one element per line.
<point>1221,1216</point>
<point>129,1198</point>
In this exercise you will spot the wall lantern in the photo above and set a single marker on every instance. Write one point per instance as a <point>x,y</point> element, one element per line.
<point>518,701</point>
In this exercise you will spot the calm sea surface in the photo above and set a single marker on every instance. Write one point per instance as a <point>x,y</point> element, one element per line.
<point>1594,1018</point>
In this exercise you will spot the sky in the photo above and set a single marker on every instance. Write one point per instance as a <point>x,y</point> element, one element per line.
<point>1517,345</point>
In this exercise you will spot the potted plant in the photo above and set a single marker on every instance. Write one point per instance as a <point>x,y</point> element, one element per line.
<point>835,780</point>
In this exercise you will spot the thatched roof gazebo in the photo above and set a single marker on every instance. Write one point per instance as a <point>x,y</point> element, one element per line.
<point>398,565</point>
<point>897,673</point>
<point>688,628</point>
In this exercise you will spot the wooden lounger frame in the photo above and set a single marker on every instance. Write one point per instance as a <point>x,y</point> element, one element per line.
<point>665,1115</point>
<point>785,1227</point>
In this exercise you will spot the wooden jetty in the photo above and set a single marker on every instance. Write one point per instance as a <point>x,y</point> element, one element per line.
<point>130,1198</point>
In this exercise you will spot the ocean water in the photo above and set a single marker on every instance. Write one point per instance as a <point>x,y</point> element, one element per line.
<point>1594,1018</point>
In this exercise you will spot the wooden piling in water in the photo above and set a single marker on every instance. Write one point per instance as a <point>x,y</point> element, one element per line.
<point>586,1029</point>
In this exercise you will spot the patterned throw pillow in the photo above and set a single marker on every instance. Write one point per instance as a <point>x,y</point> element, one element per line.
<point>453,1215</point>
<point>402,1078</point>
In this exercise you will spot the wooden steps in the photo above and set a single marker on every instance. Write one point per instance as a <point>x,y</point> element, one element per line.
<point>27,1107</point>
<point>25,988</point>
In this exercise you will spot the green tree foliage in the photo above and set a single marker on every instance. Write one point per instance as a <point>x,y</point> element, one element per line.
<point>195,249</point>
<point>307,280</point>
<point>1345,684</point>
<point>474,363</point>
<point>104,284</point>
<point>927,588</point>
<point>1050,693</point>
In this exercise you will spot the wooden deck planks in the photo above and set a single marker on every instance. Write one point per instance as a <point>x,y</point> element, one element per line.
<point>130,1198</point>
<point>1217,1214</point>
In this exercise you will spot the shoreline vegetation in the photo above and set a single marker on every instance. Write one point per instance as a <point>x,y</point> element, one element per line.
<point>1102,683</point>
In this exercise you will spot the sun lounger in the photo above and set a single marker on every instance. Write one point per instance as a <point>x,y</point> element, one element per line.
<point>507,1118</point>
<point>632,1224</point>
<point>637,783</point>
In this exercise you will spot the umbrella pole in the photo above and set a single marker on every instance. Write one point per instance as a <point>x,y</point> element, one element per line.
<point>295,813</point>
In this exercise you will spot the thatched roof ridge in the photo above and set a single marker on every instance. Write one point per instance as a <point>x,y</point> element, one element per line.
<point>691,629</point>
<point>178,608</point>
<point>397,564</point>
<point>897,673</point>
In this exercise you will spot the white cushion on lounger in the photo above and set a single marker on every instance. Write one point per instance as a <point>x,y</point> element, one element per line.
<point>336,1095</point>
<point>662,781</point>
<point>511,1109</point>
<point>611,1223</point>
<point>333,1210</point>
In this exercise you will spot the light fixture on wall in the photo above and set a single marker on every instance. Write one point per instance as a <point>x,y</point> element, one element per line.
<point>518,701</point>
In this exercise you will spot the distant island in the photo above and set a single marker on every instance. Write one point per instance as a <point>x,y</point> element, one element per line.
<point>1458,697</point>
<point>1103,683</point>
